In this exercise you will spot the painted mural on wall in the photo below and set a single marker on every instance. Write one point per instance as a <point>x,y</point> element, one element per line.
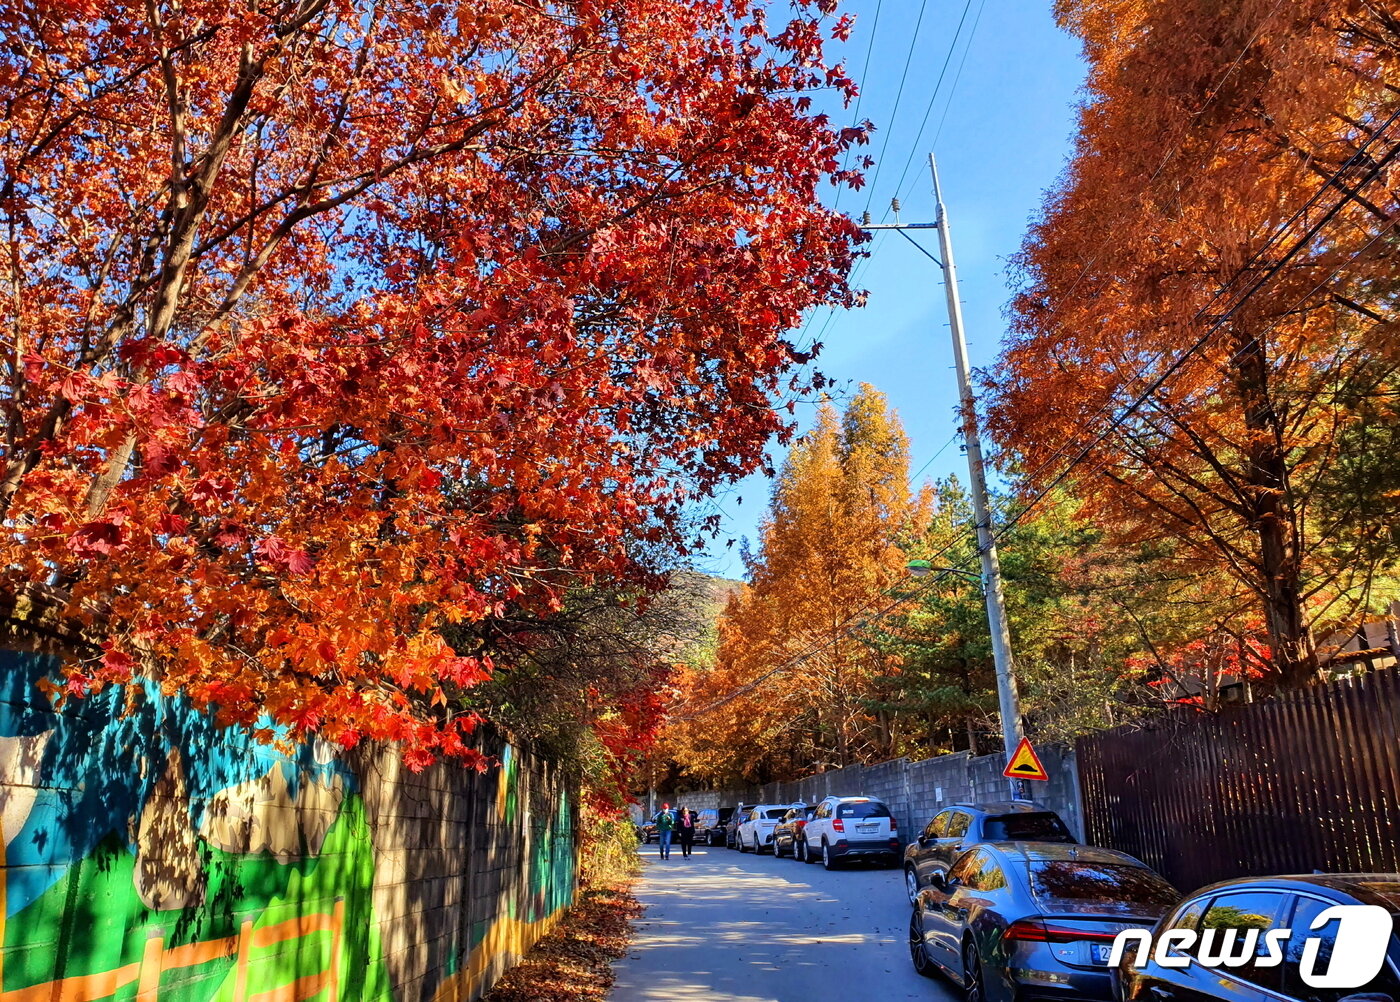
<point>530,908</point>
<point>150,854</point>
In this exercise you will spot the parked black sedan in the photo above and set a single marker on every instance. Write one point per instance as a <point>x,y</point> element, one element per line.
<point>1291,904</point>
<point>961,826</point>
<point>1017,921</point>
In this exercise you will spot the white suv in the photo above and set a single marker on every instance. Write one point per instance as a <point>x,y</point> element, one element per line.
<point>756,833</point>
<point>850,828</point>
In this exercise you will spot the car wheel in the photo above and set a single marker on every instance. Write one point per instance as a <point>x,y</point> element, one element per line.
<point>827,860</point>
<point>973,989</point>
<point>917,952</point>
<point>757,847</point>
<point>807,856</point>
<point>911,883</point>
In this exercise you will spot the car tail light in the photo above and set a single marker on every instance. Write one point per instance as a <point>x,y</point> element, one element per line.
<point>837,825</point>
<point>1039,931</point>
<point>894,825</point>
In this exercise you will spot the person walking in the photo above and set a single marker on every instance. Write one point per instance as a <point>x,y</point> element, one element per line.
<point>665,828</point>
<point>685,828</point>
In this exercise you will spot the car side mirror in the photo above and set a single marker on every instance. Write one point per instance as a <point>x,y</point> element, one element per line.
<point>938,882</point>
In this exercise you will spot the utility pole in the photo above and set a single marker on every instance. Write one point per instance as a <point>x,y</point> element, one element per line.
<point>1007,697</point>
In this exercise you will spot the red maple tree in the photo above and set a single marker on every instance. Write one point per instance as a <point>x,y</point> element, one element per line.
<point>329,323</point>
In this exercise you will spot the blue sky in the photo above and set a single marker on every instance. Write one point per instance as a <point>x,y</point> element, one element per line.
<point>1006,136</point>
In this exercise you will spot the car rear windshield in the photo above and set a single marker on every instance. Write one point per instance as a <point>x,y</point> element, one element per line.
<point>862,809</point>
<point>1108,884</point>
<point>775,813</point>
<point>1045,827</point>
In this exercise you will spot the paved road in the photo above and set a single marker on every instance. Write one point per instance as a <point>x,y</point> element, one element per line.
<point>728,927</point>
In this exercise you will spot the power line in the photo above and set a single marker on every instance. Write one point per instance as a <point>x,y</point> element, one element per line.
<point>941,449</point>
<point>953,89</point>
<point>832,310</point>
<point>864,73</point>
<point>1159,381</point>
<point>1360,156</point>
<point>933,95</point>
<point>844,629</point>
<point>899,94</point>
<point>1166,159</point>
<point>1019,516</point>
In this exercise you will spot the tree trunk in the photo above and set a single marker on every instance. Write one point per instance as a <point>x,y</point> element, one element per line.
<point>1271,516</point>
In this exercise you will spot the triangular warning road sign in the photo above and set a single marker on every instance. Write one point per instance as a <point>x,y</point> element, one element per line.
<point>1025,764</point>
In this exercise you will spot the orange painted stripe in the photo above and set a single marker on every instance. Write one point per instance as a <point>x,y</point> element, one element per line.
<point>83,988</point>
<point>89,987</point>
<point>301,988</point>
<point>295,928</point>
<point>240,976</point>
<point>200,953</point>
<point>148,984</point>
<point>337,934</point>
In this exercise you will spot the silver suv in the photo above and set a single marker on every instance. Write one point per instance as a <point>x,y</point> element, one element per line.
<point>849,828</point>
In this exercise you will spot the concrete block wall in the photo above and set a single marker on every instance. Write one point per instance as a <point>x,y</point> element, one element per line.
<point>916,791</point>
<point>147,849</point>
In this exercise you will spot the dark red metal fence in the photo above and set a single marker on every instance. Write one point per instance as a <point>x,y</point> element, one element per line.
<point>1308,780</point>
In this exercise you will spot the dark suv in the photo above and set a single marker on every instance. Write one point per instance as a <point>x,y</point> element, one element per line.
<point>718,831</point>
<point>738,815</point>
<point>705,822</point>
<point>956,828</point>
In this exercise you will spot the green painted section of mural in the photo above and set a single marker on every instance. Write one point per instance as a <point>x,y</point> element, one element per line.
<point>91,920</point>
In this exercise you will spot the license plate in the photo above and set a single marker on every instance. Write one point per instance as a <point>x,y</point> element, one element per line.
<point>866,828</point>
<point>1100,951</point>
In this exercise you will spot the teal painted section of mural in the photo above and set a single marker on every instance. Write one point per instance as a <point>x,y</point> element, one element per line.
<point>95,765</point>
<point>554,862</point>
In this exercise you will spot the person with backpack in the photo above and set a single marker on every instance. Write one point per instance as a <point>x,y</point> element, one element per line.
<point>665,827</point>
<point>685,828</point>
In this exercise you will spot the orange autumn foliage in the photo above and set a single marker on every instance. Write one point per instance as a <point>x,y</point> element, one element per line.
<point>1225,225</point>
<point>328,324</point>
<point>786,694</point>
